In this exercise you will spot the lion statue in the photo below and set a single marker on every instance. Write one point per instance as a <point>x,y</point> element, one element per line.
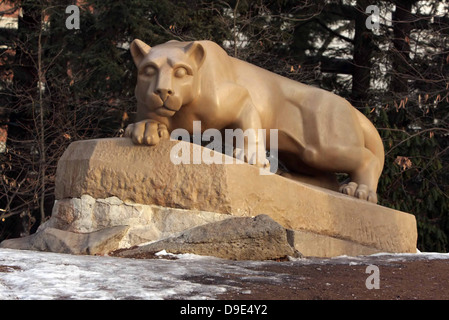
<point>182,82</point>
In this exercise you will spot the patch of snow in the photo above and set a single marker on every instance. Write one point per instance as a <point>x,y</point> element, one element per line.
<point>164,253</point>
<point>44,275</point>
<point>412,256</point>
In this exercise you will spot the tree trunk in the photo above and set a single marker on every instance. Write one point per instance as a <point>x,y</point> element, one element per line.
<point>41,126</point>
<point>25,73</point>
<point>402,18</point>
<point>363,48</point>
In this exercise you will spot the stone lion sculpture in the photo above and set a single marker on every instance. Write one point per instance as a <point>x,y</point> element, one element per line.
<point>318,131</point>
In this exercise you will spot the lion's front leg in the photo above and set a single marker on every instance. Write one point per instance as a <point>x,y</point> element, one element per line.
<point>148,132</point>
<point>253,150</point>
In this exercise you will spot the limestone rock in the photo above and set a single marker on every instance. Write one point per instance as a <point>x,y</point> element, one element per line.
<point>55,240</point>
<point>104,168</point>
<point>145,222</point>
<point>105,184</point>
<point>238,238</point>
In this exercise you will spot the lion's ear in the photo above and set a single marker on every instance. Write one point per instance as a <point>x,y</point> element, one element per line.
<point>139,50</point>
<point>196,50</point>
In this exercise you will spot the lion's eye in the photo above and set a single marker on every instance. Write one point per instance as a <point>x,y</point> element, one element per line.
<point>180,72</point>
<point>149,71</point>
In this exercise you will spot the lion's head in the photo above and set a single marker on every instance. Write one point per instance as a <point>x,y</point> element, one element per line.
<point>167,75</point>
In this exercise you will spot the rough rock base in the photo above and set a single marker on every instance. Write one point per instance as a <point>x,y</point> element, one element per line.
<point>107,183</point>
<point>55,240</point>
<point>239,238</point>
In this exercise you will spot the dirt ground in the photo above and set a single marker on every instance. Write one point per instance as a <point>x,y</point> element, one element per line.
<point>403,277</point>
<point>399,280</point>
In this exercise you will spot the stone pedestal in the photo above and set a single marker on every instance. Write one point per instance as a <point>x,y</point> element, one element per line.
<point>156,198</point>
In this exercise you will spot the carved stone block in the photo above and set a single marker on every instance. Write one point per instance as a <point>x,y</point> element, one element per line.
<point>325,223</point>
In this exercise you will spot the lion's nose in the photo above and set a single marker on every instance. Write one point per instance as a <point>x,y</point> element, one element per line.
<point>164,93</point>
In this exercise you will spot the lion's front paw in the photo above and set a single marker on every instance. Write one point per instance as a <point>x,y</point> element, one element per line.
<point>148,132</point>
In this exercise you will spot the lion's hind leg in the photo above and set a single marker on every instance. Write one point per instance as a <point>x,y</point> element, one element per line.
<point>360,163</point>
<point>364,178</point>
<point>361,191</point>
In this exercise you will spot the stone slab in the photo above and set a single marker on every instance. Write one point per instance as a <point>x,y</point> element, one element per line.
<point>237,238</point>
<point>60,241</point>
<point>315,245</point>
<point>104,168</point>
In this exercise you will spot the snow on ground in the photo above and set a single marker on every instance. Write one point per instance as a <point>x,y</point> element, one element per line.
<point>31,275</point>
<point>45,275</point>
